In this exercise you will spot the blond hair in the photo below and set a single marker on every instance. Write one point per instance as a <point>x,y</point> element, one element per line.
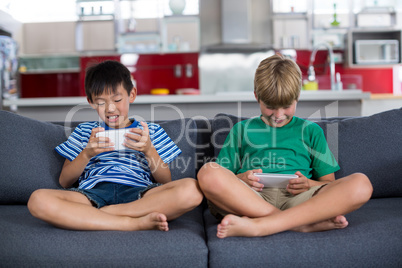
<point>277,81</point>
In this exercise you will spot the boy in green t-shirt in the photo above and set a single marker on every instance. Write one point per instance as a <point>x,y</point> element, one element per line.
<point>278,142</point>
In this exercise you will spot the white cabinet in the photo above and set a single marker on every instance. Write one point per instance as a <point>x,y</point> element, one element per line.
<point>305,23</point>
<point>291,23</point>
<point>96,26</point>
<point>112,25</point>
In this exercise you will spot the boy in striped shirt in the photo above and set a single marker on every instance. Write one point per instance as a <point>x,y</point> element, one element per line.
<point>124,190</point>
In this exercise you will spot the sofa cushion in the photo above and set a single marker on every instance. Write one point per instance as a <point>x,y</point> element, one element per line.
<point>372,239</point>
<point>28,160</point>
<point>29,242</point>
<point>183,132</point>
<point>371,145</point>
<point>221,126</point>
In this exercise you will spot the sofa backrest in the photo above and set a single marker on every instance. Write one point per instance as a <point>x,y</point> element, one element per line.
<point>28,160</point>
<point>371,145</point>
<point>184,133</point>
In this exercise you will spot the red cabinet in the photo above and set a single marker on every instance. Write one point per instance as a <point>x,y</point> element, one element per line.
<point>171,70</point>
<point>50,84</point>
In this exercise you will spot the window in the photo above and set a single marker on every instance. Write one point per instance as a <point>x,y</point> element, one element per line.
<point>66,10</point>
<point>40,10</point>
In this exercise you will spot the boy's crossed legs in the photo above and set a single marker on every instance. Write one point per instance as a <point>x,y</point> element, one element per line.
<point>73,210</point>
<point>324,211</point>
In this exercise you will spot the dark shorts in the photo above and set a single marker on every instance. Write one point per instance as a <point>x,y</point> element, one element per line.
<point>108,193</point>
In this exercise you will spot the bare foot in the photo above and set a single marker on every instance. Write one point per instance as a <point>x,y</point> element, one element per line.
<point>152,221</point>
<point>338,222</point>
<point>232,225</point>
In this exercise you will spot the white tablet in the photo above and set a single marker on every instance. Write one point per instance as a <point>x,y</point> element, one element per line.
<point>275,180</point>
<point>116,136</point>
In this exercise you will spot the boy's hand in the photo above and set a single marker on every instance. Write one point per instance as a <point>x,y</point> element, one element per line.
<point>251,180</point>
<point>298,185</point>
<point>97,145</point>
<point>139,141</point>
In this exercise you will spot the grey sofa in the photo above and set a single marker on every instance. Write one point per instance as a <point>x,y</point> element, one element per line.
<point>372,145</point>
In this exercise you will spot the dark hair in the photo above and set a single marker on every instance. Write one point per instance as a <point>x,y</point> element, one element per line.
<point>107,76</point>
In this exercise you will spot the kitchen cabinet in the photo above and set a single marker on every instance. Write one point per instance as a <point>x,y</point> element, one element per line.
<point>171,70</point>
<point>291,22</point>
<point>48,76</point>
<point>96,21</point>
<point>64,76</point>
<point>373,47</point>
<point>178,33</point>
<point>305,23</point>
<point>113,22</point>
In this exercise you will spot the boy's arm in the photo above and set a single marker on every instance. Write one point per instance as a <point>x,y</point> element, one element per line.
<point>302,183</point>
<point>159,169</point>
<point>142,142</point>
<point>72,170</point>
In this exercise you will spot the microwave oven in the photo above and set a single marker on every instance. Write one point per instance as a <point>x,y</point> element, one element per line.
<point>377,51</point>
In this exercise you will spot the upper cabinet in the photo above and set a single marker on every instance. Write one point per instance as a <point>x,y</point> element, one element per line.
<point>291,23</point>
<point>305,23</point>
<point>140,26</point>
<point>95,9</point>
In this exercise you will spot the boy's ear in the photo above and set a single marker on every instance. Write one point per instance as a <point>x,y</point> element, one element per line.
<point>255,95</point>
<point>133,94</point>
<point>91,103</point>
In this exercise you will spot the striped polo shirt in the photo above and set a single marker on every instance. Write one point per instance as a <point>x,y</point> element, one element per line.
<point>128,167</point>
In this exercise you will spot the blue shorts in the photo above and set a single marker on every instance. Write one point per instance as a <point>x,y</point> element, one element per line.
<point>109,193</point>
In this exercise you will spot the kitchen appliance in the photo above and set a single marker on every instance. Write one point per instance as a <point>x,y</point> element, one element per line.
<point>377,51</point>
<point>228,70</point>
<point>8,68</point>
<point>227,63</point>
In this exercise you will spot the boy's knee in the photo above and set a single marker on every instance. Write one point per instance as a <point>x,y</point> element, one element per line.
<point>365,185</point>
<point>211,178</point>
<point>190,192</point>
<point>362,186</point>
<point>40,202</point>
<point>35,201</point>
<point>207,171</point>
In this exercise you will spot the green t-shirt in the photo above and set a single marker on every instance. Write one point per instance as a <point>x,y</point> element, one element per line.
<point>298,146</point>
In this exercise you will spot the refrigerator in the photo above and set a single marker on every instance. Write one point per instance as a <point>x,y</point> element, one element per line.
<point>8,68</point>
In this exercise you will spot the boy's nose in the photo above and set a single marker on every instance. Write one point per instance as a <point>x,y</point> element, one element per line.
<point>111,107</point>
<point>279,113</point>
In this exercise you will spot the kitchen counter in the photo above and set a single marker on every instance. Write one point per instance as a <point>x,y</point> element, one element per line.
<point>380,102</point>
<point>322,103</point>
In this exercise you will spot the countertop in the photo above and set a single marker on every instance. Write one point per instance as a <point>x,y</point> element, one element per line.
<point>320,95</point>
<point>385,96</point>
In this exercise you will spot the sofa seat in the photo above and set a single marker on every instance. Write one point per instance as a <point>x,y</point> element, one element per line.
<point>29,242</point>
<point>372,239</point>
